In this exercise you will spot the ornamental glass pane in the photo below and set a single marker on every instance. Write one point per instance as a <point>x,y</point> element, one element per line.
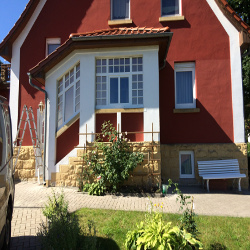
<point>184,87</point>
<point>124,90</point>
<point>120,9</point>
<point>186,164</point>
<point>113,90</point>
<point>170,7</point>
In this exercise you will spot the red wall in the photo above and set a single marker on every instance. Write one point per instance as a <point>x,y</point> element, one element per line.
<point>101,118</point>
<point>199,38</point>
<point>67,141</point>
<point>133,122</point>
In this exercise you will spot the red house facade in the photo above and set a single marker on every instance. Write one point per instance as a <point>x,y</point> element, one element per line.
<point>171,65</point>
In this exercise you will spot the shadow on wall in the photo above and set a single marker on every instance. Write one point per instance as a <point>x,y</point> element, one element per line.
<point>214,126</point>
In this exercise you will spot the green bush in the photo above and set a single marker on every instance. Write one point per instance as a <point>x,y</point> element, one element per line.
<point>155,234</point>
<point>110,164</point>
<point>62,229</point>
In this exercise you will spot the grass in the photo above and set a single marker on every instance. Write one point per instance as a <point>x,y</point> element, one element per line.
<point>112,226</point>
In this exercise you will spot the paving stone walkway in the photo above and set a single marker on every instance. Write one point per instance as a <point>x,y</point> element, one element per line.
<point>31,197</point>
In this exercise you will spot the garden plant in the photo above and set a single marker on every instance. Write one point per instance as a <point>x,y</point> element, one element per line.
<point>110,164</point>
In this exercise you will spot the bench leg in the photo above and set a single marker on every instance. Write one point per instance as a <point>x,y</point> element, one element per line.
<point>239,187</point>
<point>208,185</point>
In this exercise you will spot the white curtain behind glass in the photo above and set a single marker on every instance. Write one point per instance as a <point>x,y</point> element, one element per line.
<point>120,9</point>
<point>184,87</point>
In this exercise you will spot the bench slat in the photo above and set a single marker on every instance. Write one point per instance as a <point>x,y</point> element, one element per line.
<point>220,169</point>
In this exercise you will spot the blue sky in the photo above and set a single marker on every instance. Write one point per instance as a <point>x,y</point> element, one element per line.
<point>10,12</point>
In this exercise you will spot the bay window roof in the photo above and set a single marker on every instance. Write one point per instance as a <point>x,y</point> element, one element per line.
<point>108,38</point>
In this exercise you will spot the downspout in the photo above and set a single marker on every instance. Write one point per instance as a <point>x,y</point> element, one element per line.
<point>45,123</point>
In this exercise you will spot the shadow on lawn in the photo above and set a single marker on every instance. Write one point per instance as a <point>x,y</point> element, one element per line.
<point>94,242</point>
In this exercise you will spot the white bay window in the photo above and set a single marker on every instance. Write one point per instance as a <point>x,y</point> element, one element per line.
<point>68,96</point>
<point>119,82</point>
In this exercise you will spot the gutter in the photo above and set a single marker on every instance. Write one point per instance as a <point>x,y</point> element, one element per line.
<point>164,63</point>
<point>45,123</point>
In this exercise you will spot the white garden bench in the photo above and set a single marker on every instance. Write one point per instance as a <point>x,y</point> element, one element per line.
<point>220,169</point>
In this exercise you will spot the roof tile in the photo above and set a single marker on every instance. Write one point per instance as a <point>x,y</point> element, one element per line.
<point>121,31</point>
<point>231,11</point>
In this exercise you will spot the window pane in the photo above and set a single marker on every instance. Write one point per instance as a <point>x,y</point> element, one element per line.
<point>184,87</point>
<point>186,164</point>
<point>124,90</point>
<point>170,7</point>
<point>113,90</point>
<point>69,109</point>
<point>52,47</point>
<point>120,9</point>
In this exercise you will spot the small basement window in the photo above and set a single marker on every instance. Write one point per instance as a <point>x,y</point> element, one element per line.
<point>186,164</point>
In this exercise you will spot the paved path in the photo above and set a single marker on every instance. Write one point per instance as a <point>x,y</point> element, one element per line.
<point>30,198</point>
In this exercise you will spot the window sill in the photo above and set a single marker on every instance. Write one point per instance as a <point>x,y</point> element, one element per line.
<point>171,18</point>
<point>182,111</point>
<point>67,125</point>
<point>130,110</point>
<point>120,21</point>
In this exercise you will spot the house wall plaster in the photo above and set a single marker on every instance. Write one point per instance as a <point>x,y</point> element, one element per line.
<point>15,69</point>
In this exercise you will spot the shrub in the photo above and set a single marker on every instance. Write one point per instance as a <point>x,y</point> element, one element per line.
<point>154,234</point>
<point>111,163</point>
<point>62,230</point>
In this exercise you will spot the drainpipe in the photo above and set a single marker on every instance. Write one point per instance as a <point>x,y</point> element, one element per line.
<point>45,124</point>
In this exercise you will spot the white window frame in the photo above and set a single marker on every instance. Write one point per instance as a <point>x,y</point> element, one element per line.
<point>111,9</point>
<point>180,9</point>
<point>50,41</point>
<point>192,163</point>
<point>181,67</point>
<point>120,75</point>
<point>64,90</point>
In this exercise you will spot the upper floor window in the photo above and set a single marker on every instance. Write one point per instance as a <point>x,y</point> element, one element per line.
<point>170,7</point>
<point>120,9</point>
<point>185,85</point>
<point>119,82</point>
<point>68,96</point>
<point>52,44</point>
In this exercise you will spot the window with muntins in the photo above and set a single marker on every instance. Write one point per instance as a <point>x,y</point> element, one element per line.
<point>170,7</point>
<point>52,44</point>
<point>186,161</point>
<point>68,96</point>
<point>120,9</point>
<point>119,82</point>
<point>185,85</point>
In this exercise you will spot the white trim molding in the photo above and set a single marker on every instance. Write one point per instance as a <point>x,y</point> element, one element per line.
<point>236,73</point>
<point>15,68</point>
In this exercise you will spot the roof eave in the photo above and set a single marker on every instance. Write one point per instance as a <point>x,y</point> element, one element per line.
<point>6,44</point>
<point>74,43</point>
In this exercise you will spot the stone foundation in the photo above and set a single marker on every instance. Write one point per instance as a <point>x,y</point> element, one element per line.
<point>203,152</point>
<point>25,168</point>
<point>146,174</point>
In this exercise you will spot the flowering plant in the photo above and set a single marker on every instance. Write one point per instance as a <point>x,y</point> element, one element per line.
<point>112,162</point>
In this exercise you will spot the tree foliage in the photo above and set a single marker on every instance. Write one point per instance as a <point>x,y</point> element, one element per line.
<point>242,7</point>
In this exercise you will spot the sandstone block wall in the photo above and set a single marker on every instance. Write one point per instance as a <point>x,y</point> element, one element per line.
<point>146,174</point>
<point>203,152</point>
<point>25,167</point>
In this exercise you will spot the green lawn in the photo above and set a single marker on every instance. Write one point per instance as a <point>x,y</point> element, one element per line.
<point>112,226</point>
